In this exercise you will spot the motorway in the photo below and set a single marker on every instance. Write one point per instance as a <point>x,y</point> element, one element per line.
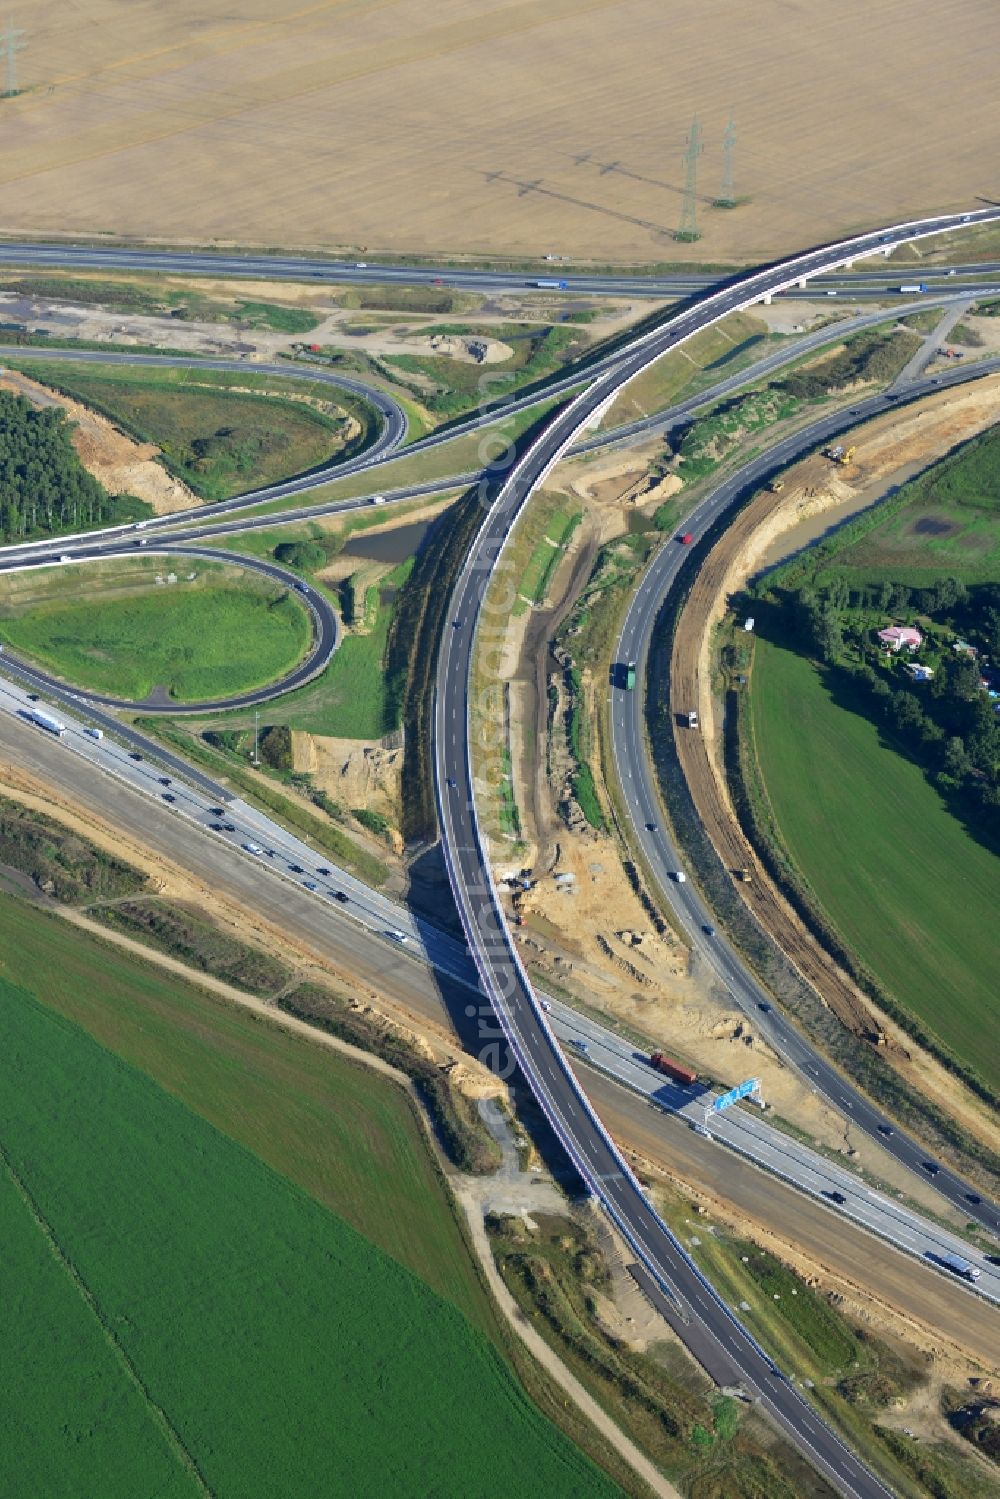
<point>709,1328</point>
<point>205,827</point>
<point>637,780</point>
<point>712,1332</point>
<point>680,283</point>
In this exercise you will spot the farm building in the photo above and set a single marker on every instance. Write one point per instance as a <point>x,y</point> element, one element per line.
<point>898,637</point>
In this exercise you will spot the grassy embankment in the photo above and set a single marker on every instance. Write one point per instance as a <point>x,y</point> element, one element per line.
<point>201,639</point>
<point>221,434</point>
<point>911,892</point>
<point>711,355</point>
<point>158,298</point>
<point>711,1445</point>
<point>169,1260</point>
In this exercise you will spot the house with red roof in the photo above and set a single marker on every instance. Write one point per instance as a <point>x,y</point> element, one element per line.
<point>901,637</point>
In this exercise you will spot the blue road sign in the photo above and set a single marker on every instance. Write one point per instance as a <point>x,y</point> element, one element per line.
<point>751,1085</point>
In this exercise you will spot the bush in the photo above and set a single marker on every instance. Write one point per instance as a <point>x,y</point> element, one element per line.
<point>305,556</point>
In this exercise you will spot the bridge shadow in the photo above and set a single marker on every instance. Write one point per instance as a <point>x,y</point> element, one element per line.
<point>475,1023</point>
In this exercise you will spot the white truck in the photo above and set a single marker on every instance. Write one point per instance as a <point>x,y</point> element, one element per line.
<point>46,721</point>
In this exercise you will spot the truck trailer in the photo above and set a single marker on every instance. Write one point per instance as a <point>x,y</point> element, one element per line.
<point>958,1266</point>
<point>46,721</point>
<point>553,285</point>
<point>673,1069</point>
<point>915,286</point>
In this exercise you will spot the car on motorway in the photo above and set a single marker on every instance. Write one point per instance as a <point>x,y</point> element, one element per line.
<point>974,1198</point>
<point>686,539</point>
<point>168,796</point>
<point>397,936</point>
<point>217,827</point>
<point>32,697</point>
<point>545,1004</point>
<point>134,755</point>
<point>296,869</point>
<point>835,1196</point>
<point>310,885</point>
<point>323,870</point>
<point>252,848</point>
<point>229,827</point>
<point>679,877</point>
<point>764,1007</point>
<point>164,780</point>
<point>339,895</point>
<point>885,1129</point>
<point>708,929</point>
<point>931,1167</point>
<point>651,827</point>
<point>217,811</point>
<point>452,782</point>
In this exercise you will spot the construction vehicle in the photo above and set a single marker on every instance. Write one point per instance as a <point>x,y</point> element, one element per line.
<point>776,486</point>
<point>839,454</point>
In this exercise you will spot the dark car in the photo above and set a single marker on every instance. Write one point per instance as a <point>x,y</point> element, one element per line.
<point>835,1196</point>
<point>217,827</point>
<point>164,780</point>
<point>651,827</point>
<point>885,1129</point>
<point>296,869</point>
<point>708,929</point>
<point>974,1198</point>
<point>323,870</point>
<point>931,1167</point>
<point>763,1005</point>
<point>217,811</point>
<point>229,827</point>
<point>32,697</point>
<point>168,796</point>
<point>339,895</point>
<point>135,755</point>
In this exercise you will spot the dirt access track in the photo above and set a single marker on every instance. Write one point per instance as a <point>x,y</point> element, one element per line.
<point>887,446</point>
<point>201,121</point>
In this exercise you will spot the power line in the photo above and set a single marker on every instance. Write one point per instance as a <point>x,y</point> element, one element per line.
<point>688,229</point>
<point>11,47</point>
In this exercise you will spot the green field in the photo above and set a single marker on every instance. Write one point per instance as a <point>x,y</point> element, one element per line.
<point>909,890</point>
<point>942,523</point>
<point>202,641</point>
<point>208,1315</point>
<point>216,432</point>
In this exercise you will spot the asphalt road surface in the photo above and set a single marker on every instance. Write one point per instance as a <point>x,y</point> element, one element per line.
<point>710,1329</point>
<point>678,283</point>
<point>204,828</point>
<point>637,779</point>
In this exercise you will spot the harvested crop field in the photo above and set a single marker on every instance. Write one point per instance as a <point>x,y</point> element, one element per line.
<point>196,122</point>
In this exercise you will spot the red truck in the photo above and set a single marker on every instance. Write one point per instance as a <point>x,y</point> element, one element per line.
<point>673,1069</point>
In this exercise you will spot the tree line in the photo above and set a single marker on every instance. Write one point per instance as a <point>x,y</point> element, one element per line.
<point>44,488</point>
<point>948,724</point>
